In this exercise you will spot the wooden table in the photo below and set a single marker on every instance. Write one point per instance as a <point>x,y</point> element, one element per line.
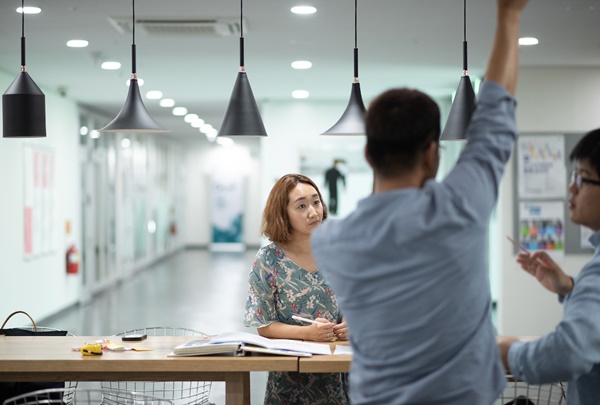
<point>51,358</point>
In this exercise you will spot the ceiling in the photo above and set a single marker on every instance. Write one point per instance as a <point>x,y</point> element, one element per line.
<point>416,43</point>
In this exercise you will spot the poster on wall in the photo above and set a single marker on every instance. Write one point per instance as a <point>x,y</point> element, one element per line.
<point>227,198</point>
<point>541,227</point>
<point>227,211</point>
<point>40,215</point>
<point>541,167</point>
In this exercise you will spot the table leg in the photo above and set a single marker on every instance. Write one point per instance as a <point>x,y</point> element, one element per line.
<point>237,388</point>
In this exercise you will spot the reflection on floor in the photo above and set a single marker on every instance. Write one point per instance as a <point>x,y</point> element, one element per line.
<point>195,288</point>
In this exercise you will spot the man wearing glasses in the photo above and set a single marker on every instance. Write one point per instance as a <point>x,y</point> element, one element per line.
<point>572,351</point>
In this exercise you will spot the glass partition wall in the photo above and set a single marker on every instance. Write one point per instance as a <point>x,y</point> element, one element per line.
<point>132,201</point>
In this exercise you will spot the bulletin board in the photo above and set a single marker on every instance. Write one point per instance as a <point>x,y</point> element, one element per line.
<point>541,171</point>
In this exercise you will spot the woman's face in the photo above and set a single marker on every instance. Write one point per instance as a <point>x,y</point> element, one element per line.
<point>584,208</point>
<point>304,209</point>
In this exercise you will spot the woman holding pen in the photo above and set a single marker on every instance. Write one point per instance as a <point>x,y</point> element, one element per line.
<point>288,298</point>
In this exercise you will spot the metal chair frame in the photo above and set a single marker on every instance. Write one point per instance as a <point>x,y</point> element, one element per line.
<point>74,396</point>
<point>519,392</point>
<point>179,392</point>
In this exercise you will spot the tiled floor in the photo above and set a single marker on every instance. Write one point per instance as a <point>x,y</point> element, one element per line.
<point>196,289</point>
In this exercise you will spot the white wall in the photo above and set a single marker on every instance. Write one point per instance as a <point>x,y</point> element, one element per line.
<point>553,101</point>
<point>39,286</point>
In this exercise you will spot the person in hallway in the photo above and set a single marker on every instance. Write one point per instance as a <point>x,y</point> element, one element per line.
<point>285,281</point>
<point>572,351</point>
<point>332,176</point>
<point>409,264</point>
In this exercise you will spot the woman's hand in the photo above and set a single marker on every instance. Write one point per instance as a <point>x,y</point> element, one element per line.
<point>341,331</point>
<point>540,265</point>
<point>321,331</point>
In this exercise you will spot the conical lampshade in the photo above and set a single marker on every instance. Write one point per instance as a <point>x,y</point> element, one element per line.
<point>23,109</point>
<point>462,108</point>
<point>352,121</point>
<point>134,117</point>
<point>242,117</point>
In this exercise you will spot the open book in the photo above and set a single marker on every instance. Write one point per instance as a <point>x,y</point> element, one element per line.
<point>239,343</point>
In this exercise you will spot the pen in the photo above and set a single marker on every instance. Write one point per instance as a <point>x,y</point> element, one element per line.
<point>518,245</point>
<point>299,318</point>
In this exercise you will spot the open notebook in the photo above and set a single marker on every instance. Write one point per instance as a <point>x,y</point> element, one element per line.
<point>240,343</point>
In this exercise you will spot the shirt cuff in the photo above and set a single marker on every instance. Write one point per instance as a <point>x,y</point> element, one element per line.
<point>561,298</point>
<point>514,359</point>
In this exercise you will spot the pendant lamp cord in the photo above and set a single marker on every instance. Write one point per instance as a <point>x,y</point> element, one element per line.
<point>133,60</point>
<point>465,69</point>
<point>23,35</point>
<point>355,41</point>
<point>241,35</point>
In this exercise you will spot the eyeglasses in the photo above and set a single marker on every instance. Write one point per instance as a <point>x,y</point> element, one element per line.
<point>578,180</point>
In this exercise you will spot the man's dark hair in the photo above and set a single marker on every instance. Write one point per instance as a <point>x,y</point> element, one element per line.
<point>588,148</point>
<point>400,125</point>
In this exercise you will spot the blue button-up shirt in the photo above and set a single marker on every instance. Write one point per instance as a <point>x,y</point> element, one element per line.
<point>572,351</point>
<point>409,269</point>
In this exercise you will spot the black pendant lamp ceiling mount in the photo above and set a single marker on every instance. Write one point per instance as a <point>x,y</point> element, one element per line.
<point>352,121</point>
<point>23,103</point>
<point>242,117</point>
<point>464,102</point>
<point>134,117</point>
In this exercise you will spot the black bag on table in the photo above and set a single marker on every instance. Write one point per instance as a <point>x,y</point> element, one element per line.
<point>12,389</point>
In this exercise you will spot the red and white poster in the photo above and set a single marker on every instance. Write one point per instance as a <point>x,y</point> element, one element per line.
<point>39,201</point>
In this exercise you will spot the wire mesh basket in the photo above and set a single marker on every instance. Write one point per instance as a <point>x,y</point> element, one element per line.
<point>74,396</point>
<point>519,392</point>
<point>178,392</point>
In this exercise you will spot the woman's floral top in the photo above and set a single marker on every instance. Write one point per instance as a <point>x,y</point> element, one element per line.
<point>279,288</point>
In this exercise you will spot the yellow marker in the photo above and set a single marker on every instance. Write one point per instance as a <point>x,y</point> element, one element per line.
<point>91,349</point>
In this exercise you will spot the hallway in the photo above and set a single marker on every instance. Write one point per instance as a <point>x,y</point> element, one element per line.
<point>196,289</point>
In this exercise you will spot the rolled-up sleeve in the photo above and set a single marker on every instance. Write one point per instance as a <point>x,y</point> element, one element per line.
<point>573,347</point>
<point>474,182</point>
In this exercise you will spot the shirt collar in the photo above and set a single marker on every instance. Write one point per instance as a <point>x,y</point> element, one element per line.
<point>595,239</point>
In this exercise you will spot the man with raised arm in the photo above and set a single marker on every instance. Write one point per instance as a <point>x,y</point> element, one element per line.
<point>409,264</point>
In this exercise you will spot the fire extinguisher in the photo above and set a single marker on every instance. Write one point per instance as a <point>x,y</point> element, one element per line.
<point>72,260</point>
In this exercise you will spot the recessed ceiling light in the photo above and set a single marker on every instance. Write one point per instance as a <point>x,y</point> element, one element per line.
<point>179,111</point>
<point>29,10</point>
<point>125,143</point>
<point>301,64</point>
<point>111,65</point>
<point>304,10</point>
<point>167,102</point>
<point>140,82</point>
<point>206,128</point>
<point>77,43</point>
<point>197,123</point>
<point>154,95</point>
<point>84,130</point>
<point>212,135</point>
<point>528,41</point>
<point>300,94</point>
<point>190,118</point>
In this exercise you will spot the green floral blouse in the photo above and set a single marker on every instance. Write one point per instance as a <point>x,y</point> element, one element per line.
<point>279,288</point>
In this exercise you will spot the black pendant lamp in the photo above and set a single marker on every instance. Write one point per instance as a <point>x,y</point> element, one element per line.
<point>242,117</point>
<point>352,121</point>
<point>23,103</point>
<point>464,102</point>
<point>134,117</point>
